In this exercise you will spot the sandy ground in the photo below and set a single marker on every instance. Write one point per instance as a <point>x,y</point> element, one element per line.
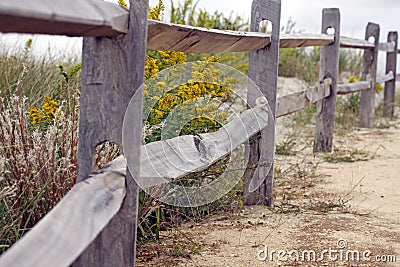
<point>348,213</point>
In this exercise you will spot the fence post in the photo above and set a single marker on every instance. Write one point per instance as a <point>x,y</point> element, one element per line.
<point>329,68</point>
<point>263,71</point>
<point>390,86</point>
<point>367,101</point>
<point>112,71</point>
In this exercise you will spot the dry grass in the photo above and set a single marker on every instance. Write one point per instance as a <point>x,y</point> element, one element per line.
<point>37,167</point>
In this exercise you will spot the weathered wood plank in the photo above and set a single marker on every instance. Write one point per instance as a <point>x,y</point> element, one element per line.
<point>367,100</point>
<point>60,237</point>
<point>99,18</point>
<point>348,42</point>
<point>168,160</point>
<point>168,36</point>
<point>329,69</point>
<point>387,47</point>
<point>350,88</point>
<point>388,77</point>
<point>263,71</point>
<point>297,101</point>
<point>171,159</point>
<point>112,72</point>
<point>390,85</point>
<point>72,18</point>
<point>294,40</point>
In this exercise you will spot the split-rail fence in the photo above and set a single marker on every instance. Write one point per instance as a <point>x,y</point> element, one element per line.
<point>95,223</point>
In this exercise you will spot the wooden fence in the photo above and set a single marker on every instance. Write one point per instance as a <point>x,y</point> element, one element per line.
<point>95,223</point>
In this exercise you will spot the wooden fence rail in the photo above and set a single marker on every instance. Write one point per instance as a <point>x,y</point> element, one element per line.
<point>291,103</point>
<point>64,233</point>
<point>95,223</point>
<point>71,18</point>
<point>351,88</point>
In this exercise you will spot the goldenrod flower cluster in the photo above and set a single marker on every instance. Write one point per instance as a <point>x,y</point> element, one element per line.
<point>151,67</point>
<point>207,83</point>
<point>49,112</point>
<point>156,12</point>
<point>352,79</point>
<point>123,3</point>
<point>166,102</point>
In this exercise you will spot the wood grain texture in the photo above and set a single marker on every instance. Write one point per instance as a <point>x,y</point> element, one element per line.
<point>350,88</point>
<point>112,72</point>
<point>174,37</point>
<point>168,160</point>
<point>60,237</point>
<point>367,100</point>
<point>263,71</point>
<point>171,159</point>
<point>329,69</point>
<point>349,42</point>
<point>72,18</point>
<point>294,40</point>
<point>297,101</point>
<point>390,85</point>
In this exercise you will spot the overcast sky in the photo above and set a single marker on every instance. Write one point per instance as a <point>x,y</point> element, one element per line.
<point>355,15</point>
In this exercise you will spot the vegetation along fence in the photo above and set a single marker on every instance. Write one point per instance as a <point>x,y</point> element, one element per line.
<point>95,223</point>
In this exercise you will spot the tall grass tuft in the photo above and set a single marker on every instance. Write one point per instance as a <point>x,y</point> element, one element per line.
<point>38,163</point>
<point>37,167</point>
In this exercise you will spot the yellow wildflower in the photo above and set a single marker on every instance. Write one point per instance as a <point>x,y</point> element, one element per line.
<point>203,116</point>
<point>36,116</point>
<point>47,114</point>
<point>151,67</point>
<point>378,87</point>
<point>211,59</point>
<point>158,112</point>
<point>155,13</point>
<point>166,102</point>
<point>123,3</point>
<point>49,106</point>
<point>155,98</point>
